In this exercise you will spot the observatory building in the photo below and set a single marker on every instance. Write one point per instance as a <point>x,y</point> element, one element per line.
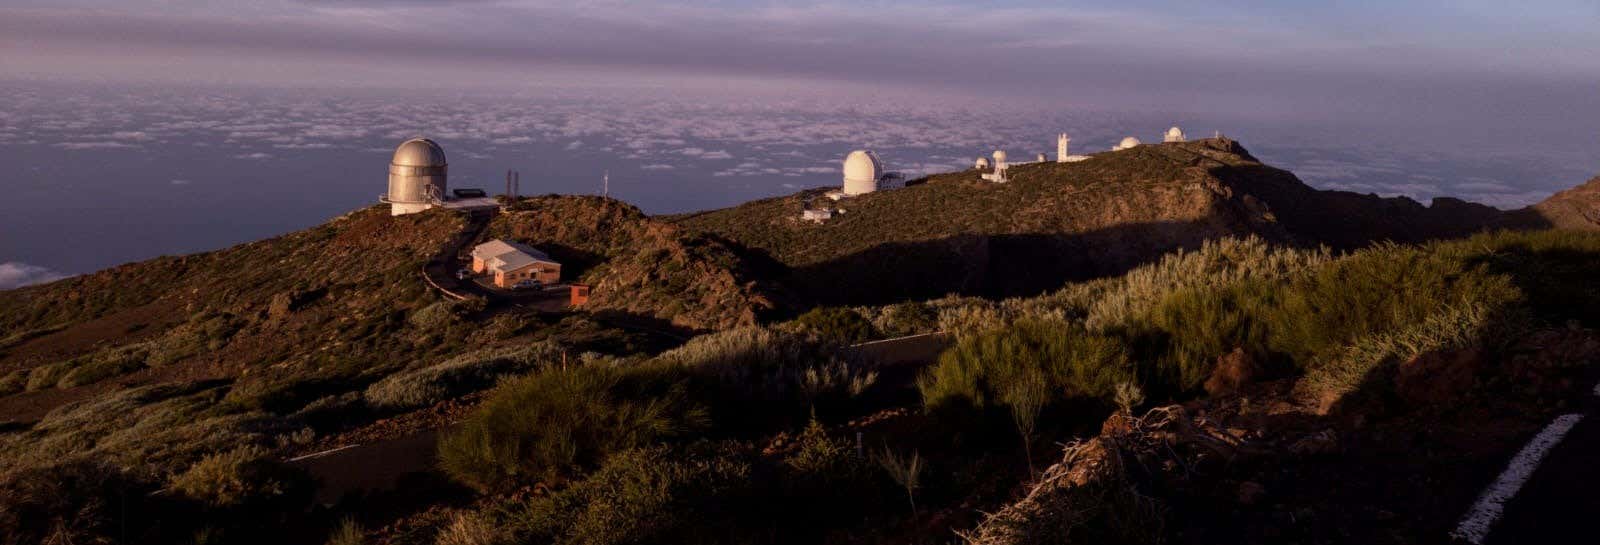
<point>1174,134</point>
<point>1127,143</point>
<point>417,177</point>
<point>981,163</point>
<point>864,173</point>
<point>417,181</point>
<point>1062,155</point>
<point>999,174</point>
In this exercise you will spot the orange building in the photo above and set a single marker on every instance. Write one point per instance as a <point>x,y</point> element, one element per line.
<point>512,262</point>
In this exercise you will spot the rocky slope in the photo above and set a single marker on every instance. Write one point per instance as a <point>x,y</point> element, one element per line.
<point>1056,222</point>
<point>640,266</point>
<point>1576,208</point>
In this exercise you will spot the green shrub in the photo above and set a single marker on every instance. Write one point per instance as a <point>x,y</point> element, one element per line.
<point>47,376</point>
<point>459,375</point>
<point>551,423</point>
<point>13,382</point>
<point>908,318</point>
<point>103,365</point>
<point>838,324</point>
<point>702,493</point>
<point>348,533</point>
<point>1345,370</point>
<point>980,369</point>
<point>246,475</point>
<point>786,374</point>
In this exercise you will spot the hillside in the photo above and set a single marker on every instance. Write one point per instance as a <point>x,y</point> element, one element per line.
<point>1575,208</point>
<point>640,266</point>
<point>1056,222</point>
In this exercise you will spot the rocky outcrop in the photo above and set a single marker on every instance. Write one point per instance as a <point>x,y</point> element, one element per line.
<point>1576,208</point>
<point>639,266</point>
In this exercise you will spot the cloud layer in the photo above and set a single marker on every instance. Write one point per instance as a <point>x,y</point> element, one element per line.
<point>15,275</point>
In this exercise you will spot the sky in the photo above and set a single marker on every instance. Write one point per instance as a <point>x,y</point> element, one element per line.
<point>149,127</point>
<point>1131,53</point>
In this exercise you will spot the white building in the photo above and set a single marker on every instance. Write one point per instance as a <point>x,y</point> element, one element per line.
<point>1127,143</point>
<point>817,216</point>
<point>1062,153</point>
<point>864,173</point>
<point>981,163</point>
<point>1174,134</point>
<point>999,174</point>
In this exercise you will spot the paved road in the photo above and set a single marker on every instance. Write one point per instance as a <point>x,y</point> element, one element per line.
<point>1559,503</point>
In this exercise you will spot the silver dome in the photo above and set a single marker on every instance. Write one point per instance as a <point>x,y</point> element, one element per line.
<point>419,152</point>
<point>417,175</point>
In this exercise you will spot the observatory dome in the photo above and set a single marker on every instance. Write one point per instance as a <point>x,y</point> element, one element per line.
<point>419,152</point>
<point>861,171</point>
<point>981,163</point>
<point>1127,143</point>
<point>417,176</point>
<point>1174,134</point>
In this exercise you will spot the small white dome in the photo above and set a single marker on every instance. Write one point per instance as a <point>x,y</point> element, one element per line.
<point>861,171</point>
<point>999,155</point>
<point>981,163</point>
<point>1128,143</point>
<point>1174,134</point>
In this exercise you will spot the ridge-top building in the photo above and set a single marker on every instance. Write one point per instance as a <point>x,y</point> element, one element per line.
<point>511,262</point>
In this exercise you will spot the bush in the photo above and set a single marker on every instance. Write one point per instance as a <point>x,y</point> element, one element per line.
<point>697,494</point>
<point>979,371</point>
<point>551,423</point>
<point>247,475</point>
<point>80,501</point>
<point>103,365</point>
<point>838,324</point>
<point>13,382</point>
<point>909,318</point>
<point>788,375</point>
<point>462,374</point>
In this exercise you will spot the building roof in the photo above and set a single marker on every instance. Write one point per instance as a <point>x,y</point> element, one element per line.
<point>502,255</point>
<point>419,152</point>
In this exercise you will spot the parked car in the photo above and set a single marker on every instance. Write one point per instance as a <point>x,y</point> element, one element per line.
<point>529,284</point>
<point>463,274</point>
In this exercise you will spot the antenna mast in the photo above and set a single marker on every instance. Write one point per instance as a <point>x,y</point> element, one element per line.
<point>605,184</point>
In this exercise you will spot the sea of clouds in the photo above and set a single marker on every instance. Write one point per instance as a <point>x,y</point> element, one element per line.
<point>281,159</point>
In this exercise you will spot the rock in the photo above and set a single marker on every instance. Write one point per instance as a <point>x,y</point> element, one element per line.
<point>1437,377</point>
<point>1322,442</point>
<point>1251,492</point>
<point>1231,372</point>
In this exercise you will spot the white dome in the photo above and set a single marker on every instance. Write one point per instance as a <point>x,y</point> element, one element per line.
<point>1128,143</point>
<point>999,155</point>
<point>1174,134</point>
<point>981,163</point>
<point>861,171</point>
